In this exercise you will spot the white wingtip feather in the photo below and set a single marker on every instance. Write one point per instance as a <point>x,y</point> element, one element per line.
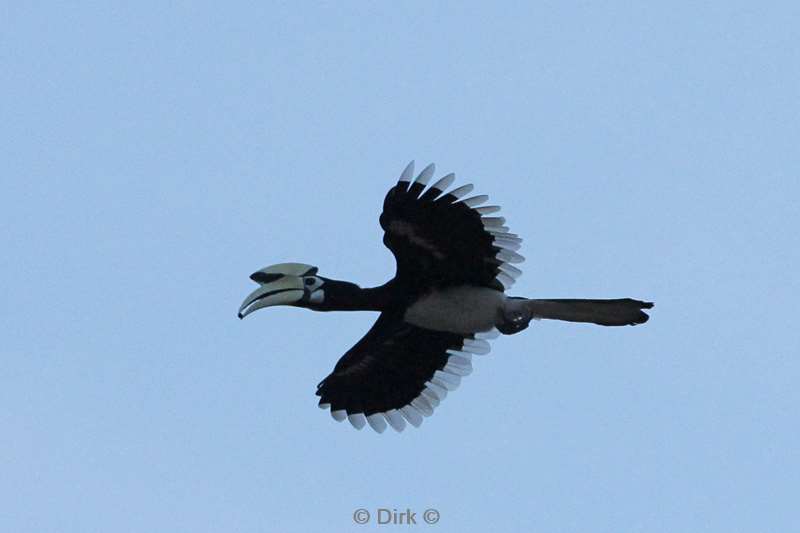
<point>426,174</point>
<point>431,397</point>
<point>448,381</point>
<point>423,405</point>
<point>509,257</point>
<point>461,191</point>
<point>507,236</point>
<point>357,420</point>
<point>395,420</point>
<point>493,222</point>
<point>488,209</point>
<point>475,200</point>
<point>377,422</point>
<point>463,359</point>
<point>496,230</point>
<point>505,280</point>
<point>444,183</point>
<point>439,391</point>
<point>507,245</point>
<point>459,353</point>
<point>511,270</point>
<point>411,414</point>
<point>458,370</point>
<point>408,172</point>
<point>477,346</point>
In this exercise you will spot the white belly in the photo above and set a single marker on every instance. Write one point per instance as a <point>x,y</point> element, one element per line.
<point>457,310</point>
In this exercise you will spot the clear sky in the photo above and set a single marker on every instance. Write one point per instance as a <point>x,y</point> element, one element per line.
<point>154,155</point>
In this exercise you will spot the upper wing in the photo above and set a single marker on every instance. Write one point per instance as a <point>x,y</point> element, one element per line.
<point>398,372</point>
<point>440,240</point>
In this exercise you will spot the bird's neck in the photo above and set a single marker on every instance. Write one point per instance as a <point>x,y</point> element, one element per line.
<point>345,296</point>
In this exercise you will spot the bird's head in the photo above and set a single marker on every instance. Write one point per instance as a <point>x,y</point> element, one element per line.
<point>285,284</point>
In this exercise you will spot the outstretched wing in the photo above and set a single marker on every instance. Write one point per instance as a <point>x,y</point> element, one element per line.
<point>440,240</point>
<point>397,373</point>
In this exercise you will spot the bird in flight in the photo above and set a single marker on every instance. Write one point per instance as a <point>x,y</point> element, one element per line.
<point>455,261</point>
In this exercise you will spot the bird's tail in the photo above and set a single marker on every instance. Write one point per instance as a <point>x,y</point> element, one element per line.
<point>620,312</point>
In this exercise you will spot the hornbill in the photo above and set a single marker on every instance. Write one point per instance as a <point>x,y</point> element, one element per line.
<point>455,260</point>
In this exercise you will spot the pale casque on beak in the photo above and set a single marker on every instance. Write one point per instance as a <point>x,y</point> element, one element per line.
<point>282,284</point>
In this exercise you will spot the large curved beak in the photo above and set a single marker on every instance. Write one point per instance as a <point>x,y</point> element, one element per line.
<point>279,285</point>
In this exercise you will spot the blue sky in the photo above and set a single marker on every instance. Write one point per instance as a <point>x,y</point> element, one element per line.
<point>155,155</point>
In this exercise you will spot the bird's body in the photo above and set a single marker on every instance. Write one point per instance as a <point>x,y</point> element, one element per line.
<point>447,299</point>
<point>463,309</point>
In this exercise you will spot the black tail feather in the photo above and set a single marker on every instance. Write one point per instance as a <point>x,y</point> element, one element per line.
<point>619,312</point>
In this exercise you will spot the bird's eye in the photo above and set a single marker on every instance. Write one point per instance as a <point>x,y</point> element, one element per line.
<point>309,281</point>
